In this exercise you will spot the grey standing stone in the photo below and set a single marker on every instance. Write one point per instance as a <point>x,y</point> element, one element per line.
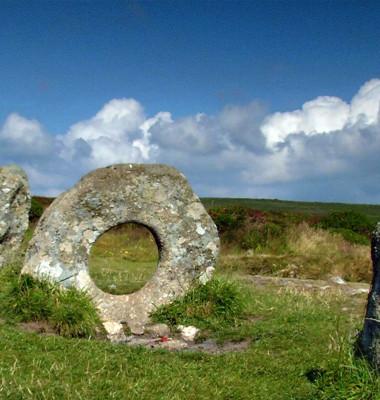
<point>14,211</point>
<point>369,340</point>
<point>156,196</point>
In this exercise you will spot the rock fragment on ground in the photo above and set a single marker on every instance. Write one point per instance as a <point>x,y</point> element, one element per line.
<point>338,280</point>
<point>115,331</point>
<point>158,330</point>
<point>188,333</point>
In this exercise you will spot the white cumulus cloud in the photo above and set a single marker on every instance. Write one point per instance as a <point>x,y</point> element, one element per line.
<point>325,114</point>
<point>366,103</point>
<point>24,136</point>
<point>325,150</point>
<point>115,134</point>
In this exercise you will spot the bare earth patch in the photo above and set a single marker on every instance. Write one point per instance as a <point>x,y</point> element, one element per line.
<point>41,327</point>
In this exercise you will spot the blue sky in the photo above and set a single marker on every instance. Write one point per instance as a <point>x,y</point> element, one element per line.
<point>274,99</point>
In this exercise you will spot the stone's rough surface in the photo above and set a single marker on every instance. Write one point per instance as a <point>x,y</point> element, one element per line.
<point>136,327</point>
<point>156,196</point>
<point>14,210</point>
<point>369,340</point>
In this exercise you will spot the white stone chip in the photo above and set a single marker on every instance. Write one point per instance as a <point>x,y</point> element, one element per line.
<point>188,333</point>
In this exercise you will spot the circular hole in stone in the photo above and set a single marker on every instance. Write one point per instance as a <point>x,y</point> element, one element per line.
<point>123,259</point>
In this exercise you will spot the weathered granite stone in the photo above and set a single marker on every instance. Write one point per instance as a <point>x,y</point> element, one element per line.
<point>14,211</point>
<point>156,196</point>
<point>369,340</point>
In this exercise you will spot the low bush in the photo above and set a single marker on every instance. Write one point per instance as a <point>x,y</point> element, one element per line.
<point>351,236</point>
<point>255,230</point>
<point>264,236</point>
<point>228,219</point>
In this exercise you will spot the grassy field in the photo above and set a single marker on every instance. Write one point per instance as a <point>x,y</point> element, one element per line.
<point>300,349</point>
<point>301,343</point>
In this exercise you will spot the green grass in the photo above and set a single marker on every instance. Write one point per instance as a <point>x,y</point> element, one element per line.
<point>299,350</point>
<point>296,334</point>
<point>347,377</point>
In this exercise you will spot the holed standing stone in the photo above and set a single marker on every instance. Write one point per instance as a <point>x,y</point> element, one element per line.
<point>14,211</point>
<point>156,196</point>
<point>369,340</point>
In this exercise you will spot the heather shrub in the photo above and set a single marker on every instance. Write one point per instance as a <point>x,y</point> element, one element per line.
<point>36,210</point>
<point>354,226</point>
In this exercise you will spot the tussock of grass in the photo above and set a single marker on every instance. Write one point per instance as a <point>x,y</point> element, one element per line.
<point>216,304</point>
<point>23,298</point>
<point>73,314</point>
